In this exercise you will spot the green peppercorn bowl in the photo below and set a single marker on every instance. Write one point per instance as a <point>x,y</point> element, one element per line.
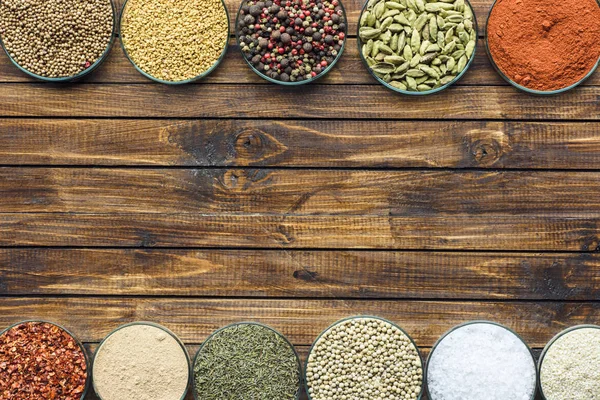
<point>298,392</point>
<point>359,317</point>
<point>549,345</point>
<point>186,81</point>
<point>290,83</point>
<point>411,92</point>
<point>521,87</point>
<point>88,379</point>
<point>155,325</point>
<point>476,322</point>
<point>76,77</point>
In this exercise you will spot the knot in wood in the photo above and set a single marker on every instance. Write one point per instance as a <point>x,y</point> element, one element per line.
<point>250,144</point>
<point>486,151</point>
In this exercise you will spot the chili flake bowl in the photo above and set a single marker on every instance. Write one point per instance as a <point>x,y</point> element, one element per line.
<point>361,317</point>
<point>175,83</point>
<point>360,44</point>
<point>523,88</point>
<point>324,72</point>
<point>76,77</point>
<point>286,340</point>
<point>88,379</point>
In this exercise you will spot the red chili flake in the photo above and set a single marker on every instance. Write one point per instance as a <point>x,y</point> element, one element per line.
<point>39,360</point>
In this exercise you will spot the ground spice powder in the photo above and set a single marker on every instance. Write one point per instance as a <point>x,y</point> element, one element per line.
<point>545,44</point>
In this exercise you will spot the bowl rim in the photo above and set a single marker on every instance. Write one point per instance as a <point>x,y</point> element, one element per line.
<point>296,83</point>
<point>549,345</point>
<point>409,92</point>
<point>358,317</point>
<point>478,322</point>
<point>183,82</point>
<point>523,88</point>
<point>154,325</point>
<point>88,379</point>
<point>79,75</point>
<point>298,392</point>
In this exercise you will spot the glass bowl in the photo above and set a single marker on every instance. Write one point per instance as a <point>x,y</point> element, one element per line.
<point>175,83</point>
<point>79,344</point>
<point>549,345</point>
<point>83,73</point>
<point>152,324</point>
<point>523,88</point>
<point>476,322</point>
<point>296,83</point>
<point>357,317</point>
<point>298,393</point>
<point>410,92</point>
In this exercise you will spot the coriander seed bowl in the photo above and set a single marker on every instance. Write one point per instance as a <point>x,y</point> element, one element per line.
<point>88,379</point>
<point>71,78</point>
<point>130,54</point>
<point>107,339</point>
<point>359,318</point>
<point>286,343</point>
<point>289,68</point>
<point>402,74</point>
<point>435,347</point>
<point>549,346</point>
<point>524,88</point>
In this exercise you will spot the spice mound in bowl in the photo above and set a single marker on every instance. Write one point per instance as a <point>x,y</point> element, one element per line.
<point>56,39</point>
<point>417,47</point>
<point>141,361</point>
<point>544,46</point>
<point>291,42</point>
<point>40,360</point>
<point>481,360</point>
<point>364,358</point>
<point>246,361</point>
<point>569,366</point>
<point>175,41</point>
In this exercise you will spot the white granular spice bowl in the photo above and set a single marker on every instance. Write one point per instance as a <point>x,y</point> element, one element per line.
<point>570,365</point>
<point>481,360</point>
<point>364,357</point>
<point>141,361</point>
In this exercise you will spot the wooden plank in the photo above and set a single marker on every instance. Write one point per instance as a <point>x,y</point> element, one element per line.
<point>371,144</point>
<point>300,320</point>
<point>306,192</point>
<point>349,70</point>
<point>503,233</point>
<point>310,274</point>
<point>275,101</point>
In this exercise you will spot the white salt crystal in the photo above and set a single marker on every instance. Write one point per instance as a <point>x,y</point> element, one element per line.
<point>481,361</point>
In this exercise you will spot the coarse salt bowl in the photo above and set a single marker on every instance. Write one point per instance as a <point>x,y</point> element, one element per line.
<point>264,75</point>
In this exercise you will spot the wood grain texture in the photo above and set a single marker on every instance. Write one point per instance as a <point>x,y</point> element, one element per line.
<point>300,320</point>
<point>477,232</point>
<point>306,192</point>
<point>305,143</point>
<point>307,274</point>
<point>349,70</point>
<point>275,101</point>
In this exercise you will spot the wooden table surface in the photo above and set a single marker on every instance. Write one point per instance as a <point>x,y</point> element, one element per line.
<point>234,199</point>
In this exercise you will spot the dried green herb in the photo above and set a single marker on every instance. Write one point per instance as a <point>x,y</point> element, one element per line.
<point>246,362</point>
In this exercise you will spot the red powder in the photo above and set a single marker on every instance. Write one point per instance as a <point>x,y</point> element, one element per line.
<point>545,44</point>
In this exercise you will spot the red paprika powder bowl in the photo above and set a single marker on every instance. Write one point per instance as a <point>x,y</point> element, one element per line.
<point>592,67</point>
<point>47,337</point>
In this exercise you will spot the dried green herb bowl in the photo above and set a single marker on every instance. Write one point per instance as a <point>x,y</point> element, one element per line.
<point>197,396</point>
<point>359,317</point>
<point>154,325</point>
<point>549,345</point>
<point>76,77</point>
<point>186,81</point>
<point>475,322</point>
<point>439,89</point>
<point>88,380</point>
<point>523,88</point>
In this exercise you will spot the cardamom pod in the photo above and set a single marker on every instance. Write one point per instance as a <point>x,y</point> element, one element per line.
<point>433,27</point>
<point>364,18</point>
<point>398,85</point>
<point>367,33</point>
<point>424,45</point>
<point>459,5</point>
<point>428,58</point>
<point>429,71</point>
<point>370,61</point>
<point>449,35</point>
<point>385,49</point>
<point>367,48</point>
<point>411,83</point>
<point>425,32</point>
<point>383,68</point>
<point>415,73</point>
<point>379,9</point>
<point>408,54</point>
<point>412,5</point>
<point>394,59</point>
<point>415,60</point>
<point>462,63</point>
<point>394,42</point>
<point>401,41</point>
<point>421,21</point>
<point>390,13</point>
<point>458,54</point>
<point>415,41</point>
<point>468,25</point>
<point>380,57</point>
<point>401,19</point>
<point>449,48</point>
<point>422,79</point>
<point>441,41</point>
<point>447,79</point>
<point>375,50</point>
<point>450,64</point>
<point>411,15</point>
<point>420,5</point>
<point>402,68</point>
<point>423,87</point>
<point>455,18</point>
<point>440,22</point>
<point>395,6</point>
<point>395,28</point>
<point>470,48</point>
